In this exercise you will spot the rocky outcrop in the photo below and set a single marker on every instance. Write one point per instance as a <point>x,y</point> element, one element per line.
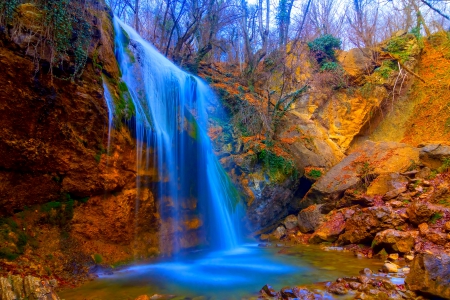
<point>18,288</point>
<point>366,223</point>
<point>430,274</point>
<point>433,155</point>
<point>362,165</point>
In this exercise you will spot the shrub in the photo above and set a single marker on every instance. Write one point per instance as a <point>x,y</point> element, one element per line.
<point>315,173</point>
<point>277,166</point>
<point>323,47</point>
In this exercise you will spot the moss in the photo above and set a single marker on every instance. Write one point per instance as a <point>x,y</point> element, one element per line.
<point>98,259</point>
<point>278,167</point>
<point>435,217</point>
<point>315,173</point>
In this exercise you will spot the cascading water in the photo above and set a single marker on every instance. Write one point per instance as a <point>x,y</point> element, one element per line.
<point>171,118</point>
<point>110,105</point>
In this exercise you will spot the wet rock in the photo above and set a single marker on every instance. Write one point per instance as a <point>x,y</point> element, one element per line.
<point>287,293</point>
<point>279,232</point>
<point>385,158</point>
<point>269,291</point>
<point>432,155</point>
<point>393,241</point>
<point>389,267</point>
<point>309,219</point>
<point>290,222</point>
<point>338,288</point>
<point>330,230</point>
<point>366,272</point>
<point>305,294</point>
<point>430,274</point>
<point>365,223</point>
<point>419,212</point>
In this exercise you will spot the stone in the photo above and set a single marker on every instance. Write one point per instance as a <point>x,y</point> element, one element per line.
<point>393,256</point>
<point>390,267</point>
<point>381,158</point>
<point>409,257</point>
<point>447,226</point>
<point>438,238</point>
<point>432,155</point>
<point>338,288</point>
<point>430,274</point>
<point>388,185</point>
<point>330,230</point>
<point>268,290</point>
<point>393,241</point>
<point>279,232</point>
<point>366,272</point>
<point>287,293</point>
<point>367,222</point>
<point>423,229</point>
<point>419,212</point>
<point>310,218</point>
<point>290,222</point>
<point>304,294</point>
<point>143,297</point>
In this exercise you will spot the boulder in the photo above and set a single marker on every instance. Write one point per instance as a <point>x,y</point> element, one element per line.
<point>419,212</point>
<point>268,290</point>
<point>392,184</point>
<point>330,230</point>
<point>279,232</point>
<point>290,222</point>
<point>389,267</point>
<point>356,63</point>
<point>430,274</point>
<point>432,155</point>
<point>309,219</point>
<point>369,160</point>
<point>393,241</point>
<point>367,222</point>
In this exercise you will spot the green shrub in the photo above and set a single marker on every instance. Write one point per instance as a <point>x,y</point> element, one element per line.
<point>329,66</point>
<point>315,173</point>
<point>323,47</point>
<point>97,258</point>
<point>435,217</point>
<point>277,167</point>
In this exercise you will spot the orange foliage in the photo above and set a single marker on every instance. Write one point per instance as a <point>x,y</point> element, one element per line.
<point>431,118</point>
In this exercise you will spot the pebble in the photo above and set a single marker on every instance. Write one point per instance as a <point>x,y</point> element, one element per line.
<point>409,258</point>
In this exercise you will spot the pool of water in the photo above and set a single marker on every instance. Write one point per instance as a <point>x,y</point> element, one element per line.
<point>233,274</point>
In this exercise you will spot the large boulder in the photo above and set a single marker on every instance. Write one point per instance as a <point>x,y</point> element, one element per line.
<point>310,218</point>
<point>330,230</point>
<point>366,223</point>
<point>430,274</point>
<point>432,155</point>
<point>393,241</point>
<point>370,160</point>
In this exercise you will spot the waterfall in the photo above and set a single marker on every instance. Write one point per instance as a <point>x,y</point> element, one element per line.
<point>171,119</point>
<point>110,105</point>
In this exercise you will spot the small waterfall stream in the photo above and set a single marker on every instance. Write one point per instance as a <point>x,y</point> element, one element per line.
<point>171,118</point>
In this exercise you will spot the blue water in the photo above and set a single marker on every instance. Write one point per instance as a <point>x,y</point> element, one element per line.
<point>172,118</point>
